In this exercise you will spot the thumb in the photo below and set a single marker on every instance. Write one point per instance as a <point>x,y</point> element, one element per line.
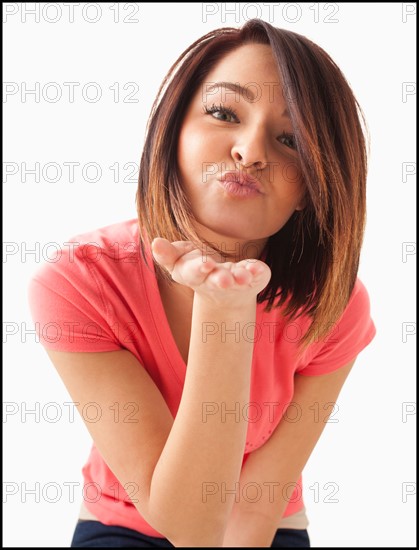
<point>167,254</point>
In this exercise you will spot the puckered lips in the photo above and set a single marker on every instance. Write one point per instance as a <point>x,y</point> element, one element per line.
<point>242,179</point>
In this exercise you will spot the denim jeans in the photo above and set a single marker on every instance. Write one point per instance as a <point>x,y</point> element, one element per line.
<point>91,534</point>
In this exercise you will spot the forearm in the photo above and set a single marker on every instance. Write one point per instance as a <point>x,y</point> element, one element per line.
<point>261,498</point>
<point>204,450</point>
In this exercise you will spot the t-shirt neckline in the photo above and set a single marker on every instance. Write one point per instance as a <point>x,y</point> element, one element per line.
<point>161,323</point>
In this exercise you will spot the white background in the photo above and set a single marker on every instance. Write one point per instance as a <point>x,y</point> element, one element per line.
<point>369,454</point>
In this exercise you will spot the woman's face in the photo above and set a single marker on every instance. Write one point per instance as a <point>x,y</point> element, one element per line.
<point>248,132</point>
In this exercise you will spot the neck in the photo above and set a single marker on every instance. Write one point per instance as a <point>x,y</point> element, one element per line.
<point>232,249</point>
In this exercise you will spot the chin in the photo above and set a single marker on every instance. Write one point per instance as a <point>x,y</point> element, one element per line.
<point>229,229</point>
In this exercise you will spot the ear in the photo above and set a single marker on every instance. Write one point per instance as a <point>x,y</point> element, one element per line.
<point>302,204</point>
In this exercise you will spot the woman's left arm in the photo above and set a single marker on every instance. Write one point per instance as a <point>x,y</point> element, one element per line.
<point>280,461</point>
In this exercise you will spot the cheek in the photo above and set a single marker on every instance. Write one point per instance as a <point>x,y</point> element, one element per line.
<point>291,173</point>
<point>182,149</point>
<point>289,179</point>
<point>190,160</point>
<point>286,169</point>
<point>197,148</point>
<point>190,143</point>
<point>199,158</point>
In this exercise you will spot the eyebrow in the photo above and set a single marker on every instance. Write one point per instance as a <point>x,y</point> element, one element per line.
<point>245,92</point>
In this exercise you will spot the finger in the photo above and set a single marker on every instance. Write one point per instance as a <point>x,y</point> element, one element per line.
<point>242,275</point>
<point>261,273</point>
<point>184,245</point>
<point>167,254</point>
<point>229,274</point>
<point>192,271</point>
<point>221,278</point>
<point>255,267</point>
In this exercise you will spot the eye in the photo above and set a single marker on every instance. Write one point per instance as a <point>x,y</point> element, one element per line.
<point>223,113</point>
<point>288,140</point>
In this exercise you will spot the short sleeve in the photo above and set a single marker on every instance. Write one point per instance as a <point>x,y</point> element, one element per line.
<point>68,306</point>
<point>351,334</point>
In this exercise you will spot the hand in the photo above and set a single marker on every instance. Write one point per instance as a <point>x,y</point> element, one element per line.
<point>226,284</point>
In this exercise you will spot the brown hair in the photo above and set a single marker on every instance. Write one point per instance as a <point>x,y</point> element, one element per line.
<point>314,257</point>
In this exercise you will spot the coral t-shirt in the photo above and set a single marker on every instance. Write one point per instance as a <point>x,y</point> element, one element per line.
<point>97,294</point>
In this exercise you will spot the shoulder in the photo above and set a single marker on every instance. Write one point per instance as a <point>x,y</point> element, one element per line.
<point>111,240</point>
<point>359,299</point>
<point>83,284</point>
<point>86,264</point>
<point>352,332</point>
<point>101,249</point>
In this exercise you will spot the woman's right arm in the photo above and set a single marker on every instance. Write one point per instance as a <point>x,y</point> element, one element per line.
<point>182,467</point>
<point>203,454</point>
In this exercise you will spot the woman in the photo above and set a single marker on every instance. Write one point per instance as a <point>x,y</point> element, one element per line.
<point>192,338</point>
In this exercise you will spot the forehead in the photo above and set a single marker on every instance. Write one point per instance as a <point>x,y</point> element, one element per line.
<point>251,66</point>
<point>248,62</point>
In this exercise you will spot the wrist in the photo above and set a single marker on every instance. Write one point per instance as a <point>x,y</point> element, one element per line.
<point>227,305</point>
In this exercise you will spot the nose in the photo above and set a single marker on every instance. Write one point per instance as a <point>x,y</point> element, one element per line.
<point>250,149</point>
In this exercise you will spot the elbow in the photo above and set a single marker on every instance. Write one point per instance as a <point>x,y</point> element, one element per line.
<point>185,540</point>
<point>185,523</point>
<point>187,532</point>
